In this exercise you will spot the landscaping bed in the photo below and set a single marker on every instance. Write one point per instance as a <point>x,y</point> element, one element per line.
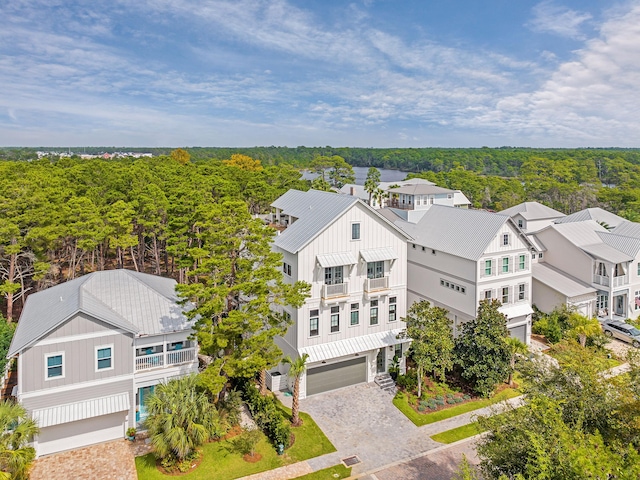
<point>220,460</point>
<point>426,417</point>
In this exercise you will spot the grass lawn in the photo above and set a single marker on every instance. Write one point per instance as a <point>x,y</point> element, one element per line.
<point>221,462</point>
<point>419,419</point>
<point>455,434</point>
<point>339,471</point>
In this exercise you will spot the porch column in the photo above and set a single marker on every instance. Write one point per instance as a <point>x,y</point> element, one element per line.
<point>611,288</point>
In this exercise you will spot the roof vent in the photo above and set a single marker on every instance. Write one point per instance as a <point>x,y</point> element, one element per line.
<point>60,298</point>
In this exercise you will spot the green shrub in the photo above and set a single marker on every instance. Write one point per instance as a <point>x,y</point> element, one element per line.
<point>466,397</point>
<point>421,408</point>
<point>439,401</point>
<point>408,382</point>
<point>245,443</point>
<point>267,416</point>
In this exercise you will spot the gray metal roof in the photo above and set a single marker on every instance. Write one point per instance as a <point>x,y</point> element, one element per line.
<point>560,281</point>
<point>135,302</point>
<point>598,214</point>
<point>532,211</point>
<point>378,254</point>
<point>628,245</point>
<point>628,229</point>
<point>315,211</point>
<point>420,189</point>
<point>587,235</point>
<point>458,231</point>
<point>536,242</point>
<point>336,259</point>
<point>72,412</point>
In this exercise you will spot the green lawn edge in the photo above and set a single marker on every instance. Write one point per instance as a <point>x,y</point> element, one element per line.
<point>420,419</point>
<point>458,433</point>
<point>326,473</point>
<point>220,462</point>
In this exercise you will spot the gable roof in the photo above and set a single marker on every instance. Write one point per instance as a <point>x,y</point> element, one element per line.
<point>420,189</point>
<point>135,302</point>
<point>457,231</point>
<point>560,281</point>
<point>628,229</point>
<point>315,211</point>
<point>594,239</point>
<point>597,214</point>
<point>532,211</point>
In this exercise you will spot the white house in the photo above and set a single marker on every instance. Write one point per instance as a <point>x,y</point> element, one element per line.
<point>532,216</point>
<point>600,268</point>
<point>91,350</point>
<point>459,257</point>
<point>355,261</point>
<point>412,194</point>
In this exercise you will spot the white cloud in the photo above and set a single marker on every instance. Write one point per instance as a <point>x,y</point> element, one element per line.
<point>559,20</point>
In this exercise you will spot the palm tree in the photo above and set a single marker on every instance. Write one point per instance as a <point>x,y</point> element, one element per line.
<point>583,327</point>
<point>516,347</point>
<point>180,418</point>
<point>296,368</point>
<point>372,181</point>
<point>16,431</point>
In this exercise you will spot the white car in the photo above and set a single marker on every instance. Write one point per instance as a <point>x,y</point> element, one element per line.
<point>622,331</point>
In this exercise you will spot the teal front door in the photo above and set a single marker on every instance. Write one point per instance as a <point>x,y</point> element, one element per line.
<point>143,394</point>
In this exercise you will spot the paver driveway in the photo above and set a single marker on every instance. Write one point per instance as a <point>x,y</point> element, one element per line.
<point>362,421</point>
<point>105,461</point>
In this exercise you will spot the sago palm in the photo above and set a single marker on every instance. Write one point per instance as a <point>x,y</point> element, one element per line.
<point>296,368</point>
<point>16,431</point>
<point>180,418</point>
<point>583,327</point>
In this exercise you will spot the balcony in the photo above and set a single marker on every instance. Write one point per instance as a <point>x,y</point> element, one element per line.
<point>606,281</point>
<point>395,203</point>
<point>376,284</point>
<point>166,359</point>
<point>335,290</point>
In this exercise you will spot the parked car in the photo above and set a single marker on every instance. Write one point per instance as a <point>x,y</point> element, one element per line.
<point>622,331</point>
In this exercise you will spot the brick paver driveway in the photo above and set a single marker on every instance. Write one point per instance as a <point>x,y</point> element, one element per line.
<point>105,461</point>
<point>362,421</point>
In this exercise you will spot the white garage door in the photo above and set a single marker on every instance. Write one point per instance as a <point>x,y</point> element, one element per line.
<point>336,375</point>
<point>68,436</point>
<point>519,332</point>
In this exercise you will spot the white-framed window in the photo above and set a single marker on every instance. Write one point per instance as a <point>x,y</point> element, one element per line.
<point>54,365</point>
<point>488,294</point>
<point>355,314</point>
<point>314,318</point>
<point>636,303</point>
<point>505,239</point>
<point>333,275</point>
<point>104,358</point>
<point>522,262</point>
<point>540,255</point>
<point>335,319</point>
<point>376,269</point>
<point>639,269</point>
<point>488,268</point>
<point>602,302</point>
<point>286,268</point>
<point>505,295</point>
<point>522,291</point>
<point>505,265</point>
<point>392,309</point>
<point>373,313</point>
<point>397,350</point>
<point>520,223</point>
<point>355,231</point>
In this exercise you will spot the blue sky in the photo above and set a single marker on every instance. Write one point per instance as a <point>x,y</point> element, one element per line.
<point>378,73</point>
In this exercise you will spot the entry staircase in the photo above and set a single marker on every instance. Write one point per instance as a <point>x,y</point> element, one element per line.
<point>386,383</point>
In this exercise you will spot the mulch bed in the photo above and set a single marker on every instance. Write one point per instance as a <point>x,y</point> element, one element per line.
<point>174,472</point>
<point>256,457</point>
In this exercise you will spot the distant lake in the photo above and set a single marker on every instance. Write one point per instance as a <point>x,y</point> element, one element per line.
<point>386,175</point>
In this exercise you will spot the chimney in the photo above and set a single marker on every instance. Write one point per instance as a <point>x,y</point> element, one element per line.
<point>353,191</point>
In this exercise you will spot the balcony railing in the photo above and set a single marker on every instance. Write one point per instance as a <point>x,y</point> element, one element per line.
<point>336,290</point>
<point>374,284</point>
<point>606,281</point>
<point>165,359</point>
<point>394,203</point>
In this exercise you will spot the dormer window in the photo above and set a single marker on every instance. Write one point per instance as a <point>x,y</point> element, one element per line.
<point>505,240</point>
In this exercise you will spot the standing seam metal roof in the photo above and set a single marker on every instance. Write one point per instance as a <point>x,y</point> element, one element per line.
<point>457,231</point>
<point>597,214</point>
<point>532,211</point>
<point>135,302</point>
<point>315,211</point>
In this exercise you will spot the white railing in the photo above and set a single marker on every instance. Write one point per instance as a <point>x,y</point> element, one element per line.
<point>176,357</point>
<point>336,290</point>
<point>601,280</point>
<point>372,284</point>
<point>157,360</point>
<point>621,280</point>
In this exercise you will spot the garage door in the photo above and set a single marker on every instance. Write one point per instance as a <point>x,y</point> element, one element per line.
<point>336,375</point>
<point>68,436</point>
<point>519,332</point>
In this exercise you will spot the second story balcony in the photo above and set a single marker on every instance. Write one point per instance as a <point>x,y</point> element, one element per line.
<point>376,284</point>
<point>148,358</point>
<point>335,290</point>
<point>606,281</point>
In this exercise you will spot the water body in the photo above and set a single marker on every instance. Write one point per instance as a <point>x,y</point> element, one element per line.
<point>386,175</point>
